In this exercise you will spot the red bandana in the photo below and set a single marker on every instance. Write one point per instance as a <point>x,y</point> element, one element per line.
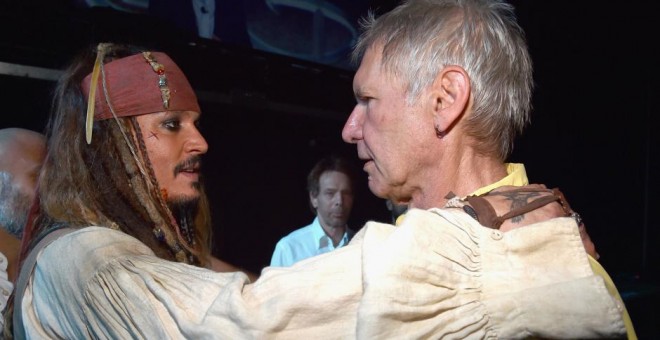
<point>136,86</point>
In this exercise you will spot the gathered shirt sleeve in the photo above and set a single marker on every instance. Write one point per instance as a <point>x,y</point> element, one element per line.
<point>451,276</point>
<point>101,283</point>
<point>438,274</point>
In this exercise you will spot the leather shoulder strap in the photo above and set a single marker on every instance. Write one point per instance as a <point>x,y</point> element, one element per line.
<point>24,277</point>
<point>480,209</point>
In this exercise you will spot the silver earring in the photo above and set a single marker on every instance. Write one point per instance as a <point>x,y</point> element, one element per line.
<point>439,132</point>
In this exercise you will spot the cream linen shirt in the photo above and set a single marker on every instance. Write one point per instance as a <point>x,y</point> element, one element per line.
<point>438,274</point>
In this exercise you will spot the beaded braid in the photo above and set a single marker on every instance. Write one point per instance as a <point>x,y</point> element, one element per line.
<point>109,182</point>
<point>165,227</point>
<point>130,182</point>
<point>160,215</point>
<point>163,230</point>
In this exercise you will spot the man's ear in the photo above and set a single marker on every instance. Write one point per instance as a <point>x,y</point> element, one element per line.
<point>314,201</point>
<point>451,95</point>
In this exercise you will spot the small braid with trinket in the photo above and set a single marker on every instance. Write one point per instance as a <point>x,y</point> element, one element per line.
<point>110,181</point>
<point>163,226</point>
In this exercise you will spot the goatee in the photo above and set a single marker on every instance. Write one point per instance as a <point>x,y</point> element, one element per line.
<point>184,210</point>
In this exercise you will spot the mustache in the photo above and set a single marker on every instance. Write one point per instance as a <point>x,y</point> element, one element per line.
<point>192,163</point>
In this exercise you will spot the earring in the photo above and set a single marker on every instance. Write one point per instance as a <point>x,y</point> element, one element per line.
<point>439,132</point>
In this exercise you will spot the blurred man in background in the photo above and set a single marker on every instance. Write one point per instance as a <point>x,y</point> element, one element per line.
<point>330,186</point>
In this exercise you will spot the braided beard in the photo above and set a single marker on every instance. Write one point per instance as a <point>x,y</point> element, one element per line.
<point>184,210</point>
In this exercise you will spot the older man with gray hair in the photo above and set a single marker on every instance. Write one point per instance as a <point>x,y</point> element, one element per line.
<point>21,154</point>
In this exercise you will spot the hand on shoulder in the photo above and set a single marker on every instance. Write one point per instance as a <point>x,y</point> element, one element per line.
<point>510,207</point>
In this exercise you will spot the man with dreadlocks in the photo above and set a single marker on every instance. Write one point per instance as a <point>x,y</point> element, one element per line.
<point>131,165</point>
<point>121,240</point>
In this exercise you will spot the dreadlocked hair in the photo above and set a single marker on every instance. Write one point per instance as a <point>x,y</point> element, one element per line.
<point>109,182</point>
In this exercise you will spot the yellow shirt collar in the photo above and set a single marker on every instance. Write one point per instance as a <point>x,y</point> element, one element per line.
<point>516,176</point>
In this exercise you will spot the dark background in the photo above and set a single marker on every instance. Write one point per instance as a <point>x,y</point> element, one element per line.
<point>268,117</point>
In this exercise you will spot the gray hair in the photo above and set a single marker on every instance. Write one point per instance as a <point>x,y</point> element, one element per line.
<point>421,37</point>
